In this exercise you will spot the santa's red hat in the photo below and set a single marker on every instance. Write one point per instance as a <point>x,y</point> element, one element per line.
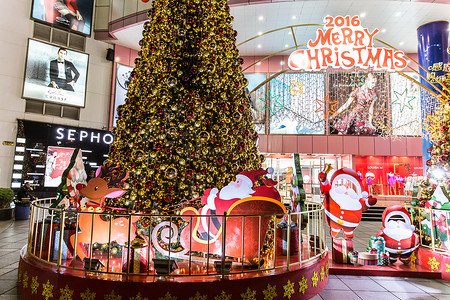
<point>395,211</point>
<point>250,177</point>
<point>353,177</point>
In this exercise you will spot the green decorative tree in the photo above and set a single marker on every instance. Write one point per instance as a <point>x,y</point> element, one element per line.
<point>438,172</point>
<point>186,124</point>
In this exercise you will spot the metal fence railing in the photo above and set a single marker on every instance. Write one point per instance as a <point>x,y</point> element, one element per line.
<point>244,243</point>
<point>433,226</point>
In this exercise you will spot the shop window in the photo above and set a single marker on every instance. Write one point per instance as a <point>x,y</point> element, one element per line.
<point>311,166</point>
<point>405,105</point>
<point>297,103</point>
<point>258,100</point>
<point>358,103</point>
<point>390,175</point>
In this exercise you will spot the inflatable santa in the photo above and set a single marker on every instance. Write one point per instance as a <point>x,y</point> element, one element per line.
<point>398,233</point>
<point>218,202</point>
<point>343,204</point>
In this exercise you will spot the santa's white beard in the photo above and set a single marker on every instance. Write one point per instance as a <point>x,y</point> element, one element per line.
<point>346,198</point>
<point>230,192</point>
<point>398,230</point>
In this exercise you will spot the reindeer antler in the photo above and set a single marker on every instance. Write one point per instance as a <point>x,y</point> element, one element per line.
<point>113,175</point>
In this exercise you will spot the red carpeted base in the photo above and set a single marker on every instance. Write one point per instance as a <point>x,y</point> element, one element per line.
<point>38,279</point>
<point>425,263</point>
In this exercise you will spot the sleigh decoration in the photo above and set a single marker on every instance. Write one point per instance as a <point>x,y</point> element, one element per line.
<point>241,230</point>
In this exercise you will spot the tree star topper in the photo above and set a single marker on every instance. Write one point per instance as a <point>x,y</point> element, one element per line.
<point>296,88</point>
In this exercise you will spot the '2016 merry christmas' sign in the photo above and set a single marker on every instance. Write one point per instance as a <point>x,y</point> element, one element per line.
<point>344,43</point>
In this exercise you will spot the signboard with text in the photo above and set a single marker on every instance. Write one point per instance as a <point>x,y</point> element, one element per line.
<point>344,43</point>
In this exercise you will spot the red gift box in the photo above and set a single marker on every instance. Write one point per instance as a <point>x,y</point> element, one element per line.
<point>136,261</point>
<point>341,250</point>
<point>281,241</point>
<point>368,259</point>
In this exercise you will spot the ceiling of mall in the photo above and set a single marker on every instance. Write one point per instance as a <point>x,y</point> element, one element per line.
<point>397,20</point>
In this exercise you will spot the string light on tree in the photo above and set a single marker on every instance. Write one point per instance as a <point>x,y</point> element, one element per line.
<point>186,124</point>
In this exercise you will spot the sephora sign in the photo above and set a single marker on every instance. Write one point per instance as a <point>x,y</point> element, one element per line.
<point>344,43</point>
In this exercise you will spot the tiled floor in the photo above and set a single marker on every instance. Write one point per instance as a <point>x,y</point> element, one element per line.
<point>13,237</point>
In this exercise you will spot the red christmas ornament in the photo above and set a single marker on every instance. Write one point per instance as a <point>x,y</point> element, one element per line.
<point>145,1</point>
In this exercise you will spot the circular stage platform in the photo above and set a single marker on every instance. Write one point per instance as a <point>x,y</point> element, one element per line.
<point>40,280</point>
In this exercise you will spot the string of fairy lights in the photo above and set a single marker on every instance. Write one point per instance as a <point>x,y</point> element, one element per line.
<point>338,103</point>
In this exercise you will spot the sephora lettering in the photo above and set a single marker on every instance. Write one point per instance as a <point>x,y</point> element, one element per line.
<point>83,136</point>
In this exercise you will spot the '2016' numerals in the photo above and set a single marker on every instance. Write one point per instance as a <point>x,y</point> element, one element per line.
<point>340,21</point>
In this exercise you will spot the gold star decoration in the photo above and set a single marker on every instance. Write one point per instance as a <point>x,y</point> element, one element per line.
<point>198,297</point>
<point>270,292</point>
<point>88,295</point>
<point>303,285</point>
<point>66,293</point>
<point>139,297</point>
<point>34,285</point>
<point>249,294</point>
<point>288,289</point>
<point>296,88</point>
<point>25,280</point>
<point>314,279</point>
<point>331,107</point>
<point>168,296</point>
<point>327,269</point>
<point>113,296</point>
<point>223,296</point>
<point>413,258</point>
<point>448,268</point>
<point>434,264</point>
<point>322,274</point>
<point>357,80</point>
<point>47,291</point>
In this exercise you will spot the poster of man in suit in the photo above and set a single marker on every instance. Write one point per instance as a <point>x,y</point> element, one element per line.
<point>55,74</point>
<point>63,73</point>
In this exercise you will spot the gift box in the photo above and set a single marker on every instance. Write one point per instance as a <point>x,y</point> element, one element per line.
<point>353,257</point>
<point>66,252</point>
<point>367,259</point>
<point>341,250</point>
<point>135,261</point>
<point>383,260</point>
<point>281,241</point>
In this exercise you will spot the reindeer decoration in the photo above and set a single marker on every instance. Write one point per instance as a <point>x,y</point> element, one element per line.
<point>94,228</point>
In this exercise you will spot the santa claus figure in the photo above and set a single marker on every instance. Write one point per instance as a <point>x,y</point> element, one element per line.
<point>344,200</point>
<point>398,233</point>
<point>218,202</point>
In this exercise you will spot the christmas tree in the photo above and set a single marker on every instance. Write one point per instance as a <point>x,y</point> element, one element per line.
<point>186,124</point>
<point>438,173</point>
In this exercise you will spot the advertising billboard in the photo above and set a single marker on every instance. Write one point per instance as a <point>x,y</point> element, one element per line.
<point>55,74</point>
<point>75,15</point>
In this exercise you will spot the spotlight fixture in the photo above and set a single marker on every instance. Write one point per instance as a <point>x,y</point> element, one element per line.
<point>164,266</point>
<point>92,264</point>
<point>226,266</point>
